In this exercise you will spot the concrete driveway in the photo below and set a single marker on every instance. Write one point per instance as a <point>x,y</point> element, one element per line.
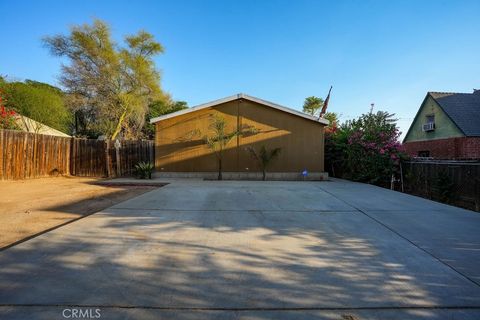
<point>252,250</point>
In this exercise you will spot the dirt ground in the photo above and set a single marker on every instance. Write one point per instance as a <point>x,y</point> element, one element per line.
<point>28,207</point>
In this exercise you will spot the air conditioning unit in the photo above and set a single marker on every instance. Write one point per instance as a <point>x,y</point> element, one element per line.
<point>428,127</point>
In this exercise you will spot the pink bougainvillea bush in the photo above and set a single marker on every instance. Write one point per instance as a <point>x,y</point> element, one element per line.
<point>7,117</point>
<point>366,149</point>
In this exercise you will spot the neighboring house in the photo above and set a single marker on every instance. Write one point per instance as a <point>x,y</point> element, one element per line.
<point>180,146</point>
<point>447,126</point>
<point>30,125</point>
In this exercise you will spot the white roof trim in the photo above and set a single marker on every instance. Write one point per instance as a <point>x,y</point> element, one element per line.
<point>240,96</point>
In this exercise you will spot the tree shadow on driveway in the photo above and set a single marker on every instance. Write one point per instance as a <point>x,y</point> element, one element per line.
<point>186,262</point>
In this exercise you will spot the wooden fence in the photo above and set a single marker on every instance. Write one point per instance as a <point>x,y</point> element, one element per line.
<point>27,155</point>
<point>122,161</point>
<point>88,158</point>
<point>454,182</point>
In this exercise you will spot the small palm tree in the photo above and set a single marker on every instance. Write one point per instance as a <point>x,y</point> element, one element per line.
<point>264,158</point>
<point>219,138</point>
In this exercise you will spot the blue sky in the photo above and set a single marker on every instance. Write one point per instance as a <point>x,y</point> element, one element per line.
<point>386,52</point>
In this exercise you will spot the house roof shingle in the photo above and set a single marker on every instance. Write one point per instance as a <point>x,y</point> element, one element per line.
<point>462,108</point>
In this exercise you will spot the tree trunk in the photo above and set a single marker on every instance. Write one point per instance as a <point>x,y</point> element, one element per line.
<point>119,125</point>
<point>220,169</point>
<point>264,175</point>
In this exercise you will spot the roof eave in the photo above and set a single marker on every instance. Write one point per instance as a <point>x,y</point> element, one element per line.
<point>240,96</point>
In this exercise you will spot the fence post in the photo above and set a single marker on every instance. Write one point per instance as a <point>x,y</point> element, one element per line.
<point>108,162</point>
<point>151,154</point>
<point>117,157</point>
<point>73,157</point>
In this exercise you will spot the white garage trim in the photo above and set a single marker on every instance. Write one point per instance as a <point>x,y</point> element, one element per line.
<point>240,96</point>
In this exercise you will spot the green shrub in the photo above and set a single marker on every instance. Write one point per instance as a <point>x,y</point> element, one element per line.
<point>366,149</point>
<point>445,187</point>
<point>144,170</point>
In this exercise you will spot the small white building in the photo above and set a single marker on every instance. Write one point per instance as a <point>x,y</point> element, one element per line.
<point>29,125</point>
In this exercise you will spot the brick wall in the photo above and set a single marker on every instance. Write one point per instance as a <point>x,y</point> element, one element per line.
<point>471,148</point>
<point>453,148</point>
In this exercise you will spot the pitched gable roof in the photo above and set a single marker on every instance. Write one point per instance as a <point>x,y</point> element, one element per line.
<point>462,108</point>
<point>240,96</point>
<point>29,125</point>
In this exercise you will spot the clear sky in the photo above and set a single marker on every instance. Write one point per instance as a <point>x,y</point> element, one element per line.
<point>387,52</point>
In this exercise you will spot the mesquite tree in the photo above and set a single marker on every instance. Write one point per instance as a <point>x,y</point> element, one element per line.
<point>108,87</point>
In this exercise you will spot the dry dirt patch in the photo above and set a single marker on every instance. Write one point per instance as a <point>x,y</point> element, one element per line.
<point>28,207</point>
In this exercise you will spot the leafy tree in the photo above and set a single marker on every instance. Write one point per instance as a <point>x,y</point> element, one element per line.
<point>264,158</point>
<point>332,117</point>
<point>312,105</point>
<point>220,138</point>
<point>109,87</point>
<point>39,101</point>
<point>177,106</point>
<point>42,85</point>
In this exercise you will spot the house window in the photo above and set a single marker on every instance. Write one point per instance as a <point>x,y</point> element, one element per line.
<point>429,124</point>
<point>424,154</point>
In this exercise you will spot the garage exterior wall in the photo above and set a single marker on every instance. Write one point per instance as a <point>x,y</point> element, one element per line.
<point>180,145</point>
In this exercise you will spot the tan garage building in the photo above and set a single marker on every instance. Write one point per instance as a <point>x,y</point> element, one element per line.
<point>180,148</point>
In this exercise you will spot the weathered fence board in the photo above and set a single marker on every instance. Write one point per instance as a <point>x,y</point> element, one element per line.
<point>460,184</point>
<point>131,153</point>
<point>26,155</point>
<point>88,158</point>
